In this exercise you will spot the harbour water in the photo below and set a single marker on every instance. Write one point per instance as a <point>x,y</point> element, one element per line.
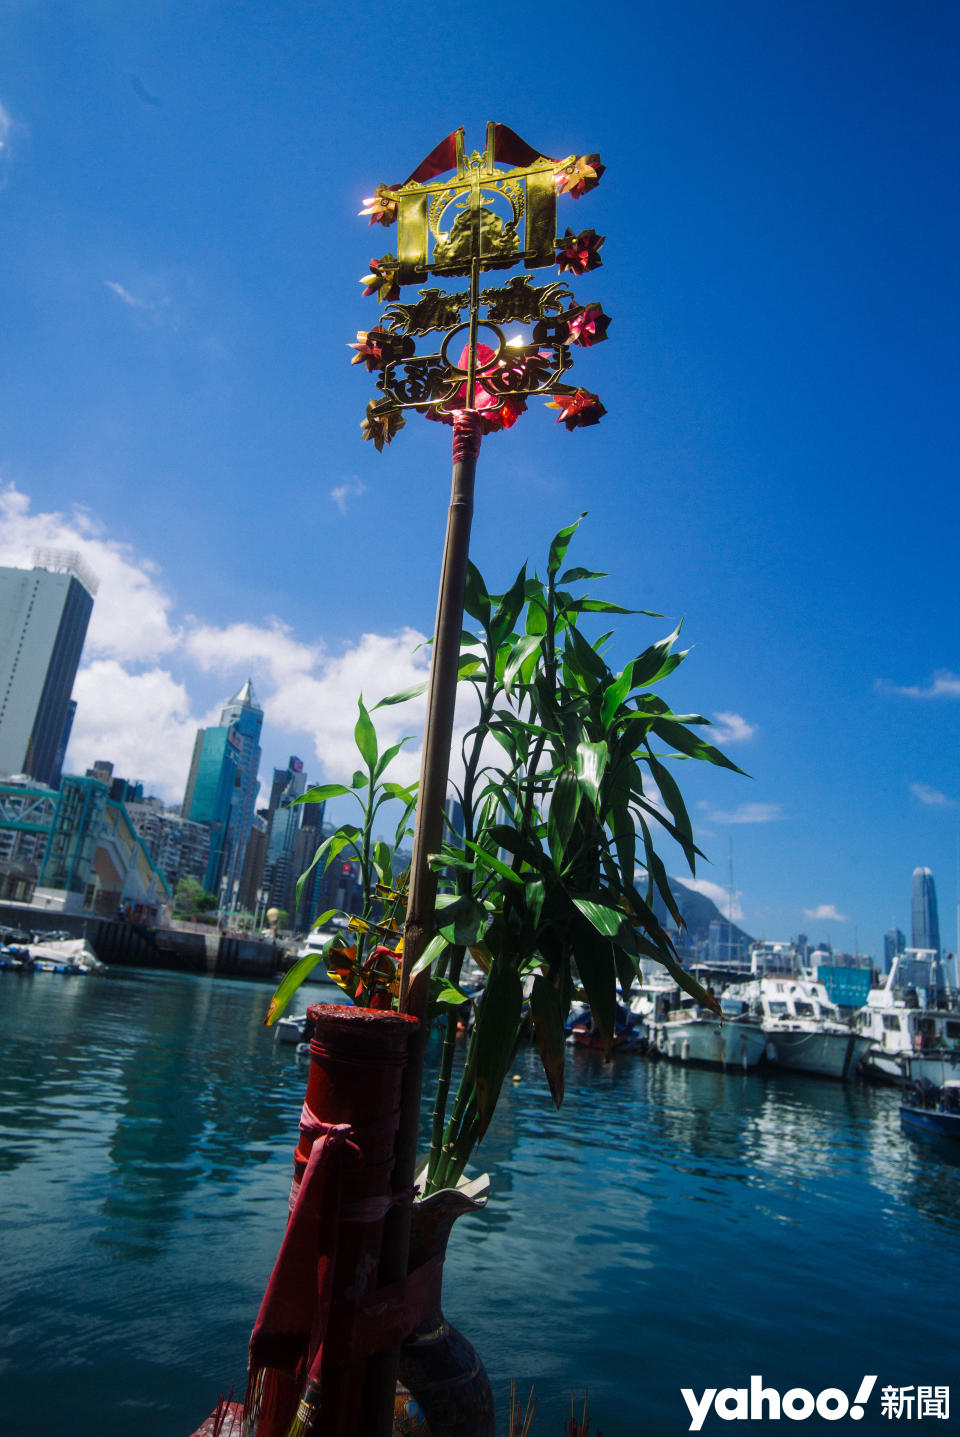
<point>668,1229</point>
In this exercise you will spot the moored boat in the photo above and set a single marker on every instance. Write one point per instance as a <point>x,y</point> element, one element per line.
<point>692,1035</point>
<point>927,1108</point>
<point>913,1027</point>
<point>803,1028</point>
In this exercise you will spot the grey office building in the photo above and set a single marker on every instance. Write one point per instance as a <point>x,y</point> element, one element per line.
<point>44,613</point>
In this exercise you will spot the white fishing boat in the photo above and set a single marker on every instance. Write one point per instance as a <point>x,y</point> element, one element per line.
<point>913,1024</point>
<point>64,955</point>
<point>804,1029</point>
<point>291,1029</point>
<point>694,1035</point>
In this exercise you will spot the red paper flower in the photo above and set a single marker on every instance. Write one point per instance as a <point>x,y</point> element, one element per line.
<point>588,325</point>
<point>377,347</point>
<point>381,207</point>
<point>580,175</point>
<point>382,279</point>
<point>368,349</point>
<point>579,253</point>
<point>381,423</point>
<point>497,411</point>
<point>578,409</point>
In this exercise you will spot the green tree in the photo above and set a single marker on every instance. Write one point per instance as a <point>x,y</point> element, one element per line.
<point>191,897</point>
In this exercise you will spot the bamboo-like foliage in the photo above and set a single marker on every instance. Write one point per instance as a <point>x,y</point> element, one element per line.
<point>566,783</point>
<point>555,830</point>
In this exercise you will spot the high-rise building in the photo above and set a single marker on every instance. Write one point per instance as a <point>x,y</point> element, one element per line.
<point>894,942</point>
<point>222,788</point>
<point>278,875</point>
<point>924,916</point>
<point>245,716</point>
<point>44,613</point>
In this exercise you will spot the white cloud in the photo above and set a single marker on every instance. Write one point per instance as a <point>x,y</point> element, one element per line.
<point>150,301</point>
<point>943,685</point>
<point>731,728</point>
<point>8,129</point>
<point>131,615</point>
<point>126,296</point>
<point>930,796</point>
<point>743,813</point>
<point>352,489</point>
<point>827,912</point>
<point>270,648</point>
<point>140,722</point>
<point>717,894</point>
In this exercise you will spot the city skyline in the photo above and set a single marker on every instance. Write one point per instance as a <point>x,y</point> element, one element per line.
<point>776,464</point>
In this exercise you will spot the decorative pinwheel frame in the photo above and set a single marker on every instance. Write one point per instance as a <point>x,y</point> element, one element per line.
<point>480,218</point>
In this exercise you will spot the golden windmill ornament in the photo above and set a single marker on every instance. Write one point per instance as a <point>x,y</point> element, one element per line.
<point>458,217</point>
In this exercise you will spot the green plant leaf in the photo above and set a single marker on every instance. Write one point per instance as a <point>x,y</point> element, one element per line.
<point>657,661</point>
<point>387,757</point>
<point>604,919</point>
<point>490,860</point>
<point>452,996</point>
<point>494,1038</point>
<point>399,791</point>
<point>476,600</point>
<point>321,793</point>
<point>290,982</point>
<point>534,895</point>
<point>673,798</point>
<point>693,746</point>
<point>383,862</point>
<point>601,606</point>
<point>508,610</point>
<point>437,946</point>
<point>460,918</point>
<point>548,1028</point>
<point>584,658</point>
<point>328,851</point>
<point>525,649</point>
<point>560,544</point>
<point>614,695</point>
<point>365,737</point>
<point>401,698</point>
<point>564,803</point>
<point>578,576</point>
<point>594,957</point>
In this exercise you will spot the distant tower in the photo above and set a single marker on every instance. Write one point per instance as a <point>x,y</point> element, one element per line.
<point>44,613</point>
<point>894,942</point>
<point>926,924</point>
<point>245,716</point>
<point>222,787</point>
<point>278,876</point>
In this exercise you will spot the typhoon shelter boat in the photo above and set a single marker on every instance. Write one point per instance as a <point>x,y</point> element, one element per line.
<point>913,1023</point>
<point>929,1109</point>
<point>804,1030</point>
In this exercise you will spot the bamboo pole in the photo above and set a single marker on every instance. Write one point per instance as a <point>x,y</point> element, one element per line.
<point>428,833</point>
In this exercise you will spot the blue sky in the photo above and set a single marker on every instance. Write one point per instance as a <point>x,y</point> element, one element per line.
<point>179,187</point>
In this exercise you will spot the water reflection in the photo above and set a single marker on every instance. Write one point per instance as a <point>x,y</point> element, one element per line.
<point>147,1126</point>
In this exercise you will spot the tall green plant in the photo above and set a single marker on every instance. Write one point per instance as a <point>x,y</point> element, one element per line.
<point>555,827</point>
<point>566,784</point>
<point>382,891</point>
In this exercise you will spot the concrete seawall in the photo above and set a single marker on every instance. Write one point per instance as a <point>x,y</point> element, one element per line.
<point>130,945</point>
